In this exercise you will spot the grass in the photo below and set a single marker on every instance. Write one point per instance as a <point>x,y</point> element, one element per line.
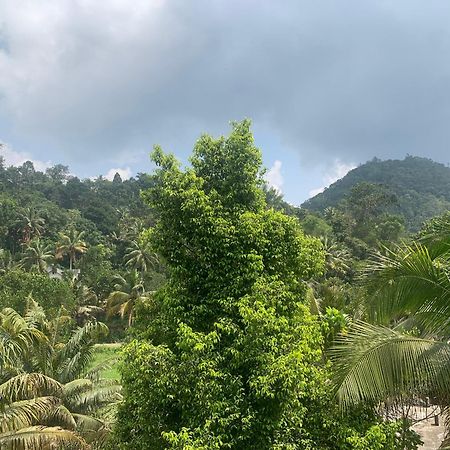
<point>105,352</point>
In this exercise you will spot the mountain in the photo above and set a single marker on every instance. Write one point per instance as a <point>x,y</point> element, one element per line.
<point>422,187</point>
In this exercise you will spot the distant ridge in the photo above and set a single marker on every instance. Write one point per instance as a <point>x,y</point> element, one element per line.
<point>422,187</point>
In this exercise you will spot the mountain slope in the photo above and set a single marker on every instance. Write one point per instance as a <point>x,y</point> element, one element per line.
<point>421,185</point>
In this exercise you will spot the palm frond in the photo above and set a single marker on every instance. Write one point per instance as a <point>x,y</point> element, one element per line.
<point>25,413</point>
<point>29,385</point>
<point>77,386</point>
<point>40,437</point>
<point>88,423</point>
<point>373,363</point>
<point>97,397</point>
<point>410,281</point>
<point>94,373</point>
<point>77,353</point>
<point>62,417</point>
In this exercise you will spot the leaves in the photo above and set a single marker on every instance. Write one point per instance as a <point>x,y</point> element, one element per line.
<point>40,437</point>
<point>410,287</point>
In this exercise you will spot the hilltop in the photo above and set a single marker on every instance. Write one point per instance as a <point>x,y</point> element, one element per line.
<point>422,187</point>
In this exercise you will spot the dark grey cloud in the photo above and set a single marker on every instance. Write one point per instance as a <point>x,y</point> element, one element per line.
<point>331,79</point>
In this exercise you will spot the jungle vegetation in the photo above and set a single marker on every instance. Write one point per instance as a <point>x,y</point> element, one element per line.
<point>193,308</point>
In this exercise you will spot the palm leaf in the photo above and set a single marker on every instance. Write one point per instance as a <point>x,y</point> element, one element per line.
<point>77,386</point>
<point>410,281</point>
<point>88,423</point>
<point>61,416</point>
<point>26,413</point>
<point>29,385</point>
<point>40,437</point>
<point>373,363</point>
<point>101,394</point>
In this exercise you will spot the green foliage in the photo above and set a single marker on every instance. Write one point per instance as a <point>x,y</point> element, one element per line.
<point>47,395</point>
<point>405,351</point>
<point>17,285</point>
<point>237,351</point>
<point>332,323</point>
<point>421,187</point>
<point>314,225</point>
<point>390,435</point>
<point>96,270</point>
<point>227,354</point>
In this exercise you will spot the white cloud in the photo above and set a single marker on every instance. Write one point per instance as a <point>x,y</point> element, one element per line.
<point>15,158</point>
<point>274,177</point>
<point>338,171</point>
<point>124,173</point>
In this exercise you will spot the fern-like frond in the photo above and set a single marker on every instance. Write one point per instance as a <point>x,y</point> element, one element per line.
<point>29,385</point>
<point>41,437</point>
<point>373,363</point>
<point>77,386</point>
<point>61,416</point>
<point>26,413</point>
<point>106,392</point>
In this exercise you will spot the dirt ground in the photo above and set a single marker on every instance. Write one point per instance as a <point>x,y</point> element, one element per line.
<point>432,435</point>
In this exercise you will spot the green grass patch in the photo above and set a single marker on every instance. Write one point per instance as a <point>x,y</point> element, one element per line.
<point>103,353</point>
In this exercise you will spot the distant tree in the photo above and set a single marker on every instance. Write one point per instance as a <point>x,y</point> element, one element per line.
<point>117,178</point>
<point>16,285</point>
<point>367,200</point>
<point>140,257</point>
<point>71,244</point>
<point>128,291</point>
<point>37,255</point>
<point>31,223</point>
<point>58,173</point>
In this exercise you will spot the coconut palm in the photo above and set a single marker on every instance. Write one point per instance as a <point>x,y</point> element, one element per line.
<point>337,257</point>
<point>48,394</point>
<point>406,349</point>
<point>37,255</point>
<point>128,290</point>
<point>140,257</point>
<point>71,244</point>
<point>31,223</point>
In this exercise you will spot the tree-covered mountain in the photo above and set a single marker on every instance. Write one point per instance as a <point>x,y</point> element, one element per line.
<point>421,188</point>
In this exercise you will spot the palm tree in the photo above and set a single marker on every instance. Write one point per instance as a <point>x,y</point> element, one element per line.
<point>48,394</point>
<point>71,244</point>
<point>128,290</point>
<point>140,257</point>
<point>406,350</point>
<point>37,256</point>
<point>31,223</point>
<point>337,257</point>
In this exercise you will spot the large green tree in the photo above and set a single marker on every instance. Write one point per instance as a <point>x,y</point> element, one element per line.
<point>229,355</point>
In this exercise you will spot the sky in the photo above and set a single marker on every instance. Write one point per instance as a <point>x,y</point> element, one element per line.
<point>327,84</point>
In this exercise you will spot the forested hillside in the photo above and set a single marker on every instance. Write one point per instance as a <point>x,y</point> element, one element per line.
<point>86,231</point>
<point>421,188</point>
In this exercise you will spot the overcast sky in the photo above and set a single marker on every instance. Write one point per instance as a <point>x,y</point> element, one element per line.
<point>328,84</point>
